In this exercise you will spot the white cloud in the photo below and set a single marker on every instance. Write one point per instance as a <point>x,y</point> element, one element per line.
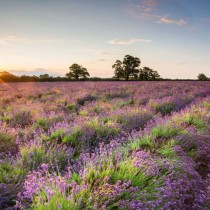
<point>11,39</point>
<point>148,10</point>
<point>128,41</point>
<point>167,20</point>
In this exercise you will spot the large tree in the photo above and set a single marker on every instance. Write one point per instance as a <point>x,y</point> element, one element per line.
<point>118,69</point>
<point>148,74</point>
<point>202,77</point>
<point>77,72</point>
<point>128,68</point>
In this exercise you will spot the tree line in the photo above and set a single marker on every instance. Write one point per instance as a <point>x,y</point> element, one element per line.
<point>127,69</point>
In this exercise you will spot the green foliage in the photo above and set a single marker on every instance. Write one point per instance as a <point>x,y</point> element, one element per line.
<point>72,138</point>
<point>77,72</point>
<point>148,74</point>
<point>103,130</point>
<point>126,171</point>
<point>83,113</point>
<point>43,123</point>
<point>167,149</point>
<point>7,142</point>
<point>75,177</point>
<point>97,109</point>
<point>165,108</point>
<point>202,77</point>
<point>206,104</point>
<point>193,119</point>
<point>57,135</point>
<point>32,156</point>
<point>144,143</point>
<point>8,77</point>
<point>10,173</point>
<point>128,68</point>
<point>105,120</point>
<point>71,107</point>
<point>125,103</point>
<point>165,131</point>
<point>58,201</point>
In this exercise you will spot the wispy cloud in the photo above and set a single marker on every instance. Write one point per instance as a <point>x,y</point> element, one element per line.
<point>11,39</point>
<point>127,41</point>
<point>144,10</point>
<point>149,10</point>
<point>168,20</point>
<point>104,52</point>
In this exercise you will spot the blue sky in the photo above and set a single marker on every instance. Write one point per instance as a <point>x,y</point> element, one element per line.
<point>47,36</point>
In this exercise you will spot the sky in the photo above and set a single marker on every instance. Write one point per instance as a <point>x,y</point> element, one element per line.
<point>47,36</point>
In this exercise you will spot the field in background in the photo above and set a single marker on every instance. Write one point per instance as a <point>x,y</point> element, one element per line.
<point>105,145</point>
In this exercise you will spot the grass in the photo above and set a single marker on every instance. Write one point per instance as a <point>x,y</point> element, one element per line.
<point>10,173</point>
<point>193,119</point>
<point>144,143</point>
<point>72,138</point>
<point>42,123</point>
<point>57,135</point>
<point>33,156</point>
<point>7,143</point>
<point>165,131</point>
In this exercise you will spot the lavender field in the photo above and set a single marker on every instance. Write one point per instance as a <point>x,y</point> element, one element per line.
<point>105,145</point>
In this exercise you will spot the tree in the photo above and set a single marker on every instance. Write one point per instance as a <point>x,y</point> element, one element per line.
<point>202,77</point>
<point>8,77</point>
<point>118,72</point>
<point>128,68</point>
<point>148,74</point>
<point>77,72</point>
<point>44,76</point>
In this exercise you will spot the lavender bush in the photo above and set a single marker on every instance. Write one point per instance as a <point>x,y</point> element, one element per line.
<point>107,145</point>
